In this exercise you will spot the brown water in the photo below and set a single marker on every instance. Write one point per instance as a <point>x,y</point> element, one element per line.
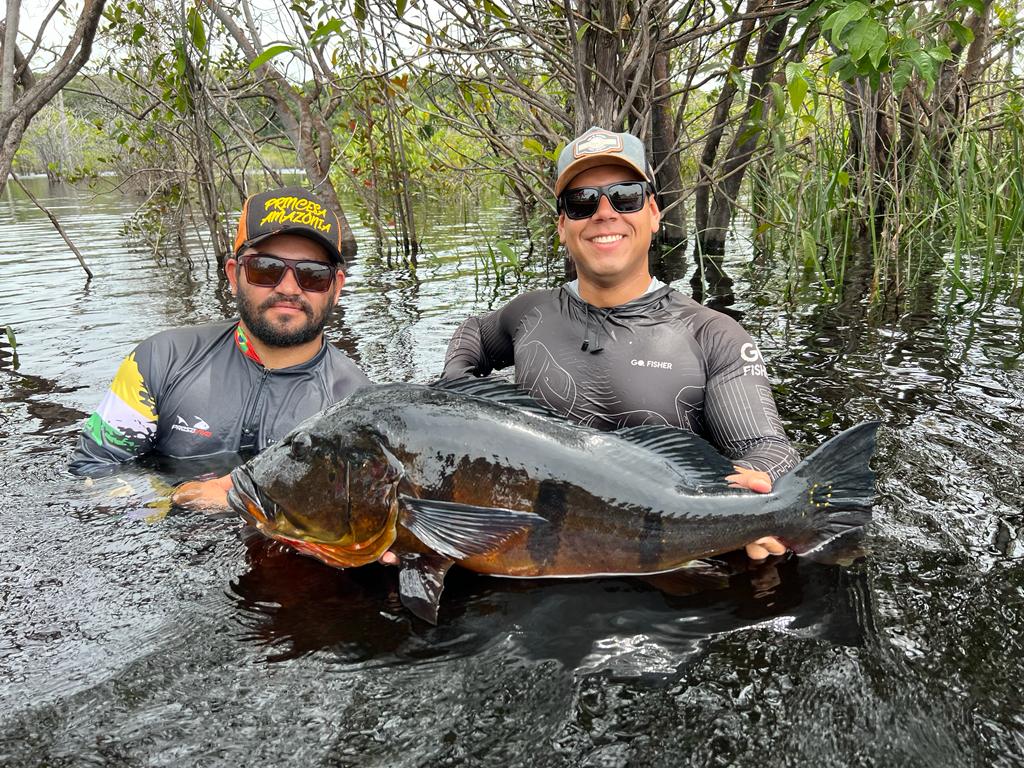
<point>131,639</point>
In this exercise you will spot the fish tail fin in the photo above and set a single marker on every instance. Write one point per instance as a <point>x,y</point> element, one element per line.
<point>834,489</point>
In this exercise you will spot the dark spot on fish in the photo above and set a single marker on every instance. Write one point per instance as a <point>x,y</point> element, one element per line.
<point>652,541</point>
<point>552,505</point>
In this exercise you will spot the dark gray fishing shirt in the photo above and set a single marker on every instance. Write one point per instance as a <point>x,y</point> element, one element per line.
<point>202,391</point>
<point>659,359</point>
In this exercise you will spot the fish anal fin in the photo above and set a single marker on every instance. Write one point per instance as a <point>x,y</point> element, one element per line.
<point>463,530</point>
<point>693,457</point>
<point>695,576</point>
<point>421,582</point>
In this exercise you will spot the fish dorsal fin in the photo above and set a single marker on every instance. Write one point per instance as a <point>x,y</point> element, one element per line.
<point>500,391</point>
<point>421,582</point>
<point>462,530</point>
<point>693,457</point>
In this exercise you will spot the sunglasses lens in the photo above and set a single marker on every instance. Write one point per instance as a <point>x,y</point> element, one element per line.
<point>581,203</point>
<point>268,271</point>
<point>264,271</point>
<point>314,276</point>
<point>626,198</point>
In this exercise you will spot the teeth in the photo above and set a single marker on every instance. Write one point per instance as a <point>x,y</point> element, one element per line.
<point>608,238</point>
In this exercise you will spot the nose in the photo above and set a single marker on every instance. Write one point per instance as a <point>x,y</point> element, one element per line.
<point>289,286</point>
<point>604,209</point>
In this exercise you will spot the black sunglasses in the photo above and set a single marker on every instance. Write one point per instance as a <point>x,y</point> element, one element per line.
<point>267,271</point>
<point>625,197</point>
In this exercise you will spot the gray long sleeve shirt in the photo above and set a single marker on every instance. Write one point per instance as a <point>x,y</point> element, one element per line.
<point>659,359</point>
<point>201,391</point>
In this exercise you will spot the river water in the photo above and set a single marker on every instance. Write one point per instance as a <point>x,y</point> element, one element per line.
<point>133,638</point>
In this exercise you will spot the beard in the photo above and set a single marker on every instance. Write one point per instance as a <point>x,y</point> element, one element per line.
<point>272,335</point>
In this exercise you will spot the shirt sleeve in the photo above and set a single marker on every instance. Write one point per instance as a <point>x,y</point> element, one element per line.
<point>124,424</point>
<point>482,344</point>
<point>739,409</point>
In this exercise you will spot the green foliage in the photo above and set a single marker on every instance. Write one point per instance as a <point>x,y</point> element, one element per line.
<point>885,38</point>
<point>268,54</point>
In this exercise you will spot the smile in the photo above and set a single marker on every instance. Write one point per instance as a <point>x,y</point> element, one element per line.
<point>607,238</point>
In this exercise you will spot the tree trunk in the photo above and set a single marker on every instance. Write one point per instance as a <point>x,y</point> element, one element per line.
<point>303,121</point>
<point>746,137</point>
<point>705,174</point>
<point>666,156</point>
<point>36,92</point>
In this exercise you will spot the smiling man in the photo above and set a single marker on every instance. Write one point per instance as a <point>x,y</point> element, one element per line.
<point>235,387</point>
<point>616,347</point>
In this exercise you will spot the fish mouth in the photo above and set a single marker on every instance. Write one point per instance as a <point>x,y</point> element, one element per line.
<point>245,499</point>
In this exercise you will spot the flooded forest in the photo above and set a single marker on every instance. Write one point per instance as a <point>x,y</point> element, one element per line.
<point>843,178</point>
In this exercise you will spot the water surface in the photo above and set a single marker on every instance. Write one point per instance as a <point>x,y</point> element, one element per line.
<point>133,638</point>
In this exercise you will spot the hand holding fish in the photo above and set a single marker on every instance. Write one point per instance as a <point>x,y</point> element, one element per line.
<point>759,482</point>
<point>203,494</point>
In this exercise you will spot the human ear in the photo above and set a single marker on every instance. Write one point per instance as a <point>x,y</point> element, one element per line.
<point>231,271</point>
<point>655,215</point>
<point>339,283</point>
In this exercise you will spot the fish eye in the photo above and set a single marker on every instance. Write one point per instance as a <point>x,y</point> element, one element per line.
<point>300,445</point>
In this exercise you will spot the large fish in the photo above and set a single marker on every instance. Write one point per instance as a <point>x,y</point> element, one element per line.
<point>479,474</point>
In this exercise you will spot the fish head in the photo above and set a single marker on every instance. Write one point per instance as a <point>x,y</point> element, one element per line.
<point>328,493</point>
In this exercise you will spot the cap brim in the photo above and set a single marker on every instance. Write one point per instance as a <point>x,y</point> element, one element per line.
<point>332,251</point>
<point>576,167</point>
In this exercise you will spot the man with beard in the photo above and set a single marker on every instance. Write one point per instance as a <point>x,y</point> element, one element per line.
<point>236,387</point>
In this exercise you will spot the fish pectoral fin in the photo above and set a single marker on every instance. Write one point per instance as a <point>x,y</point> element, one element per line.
<point>421,582</point>
<point>462,530</point>
<point>694,458</point>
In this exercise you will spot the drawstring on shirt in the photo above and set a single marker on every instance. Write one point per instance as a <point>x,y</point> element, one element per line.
<point>594,332</point>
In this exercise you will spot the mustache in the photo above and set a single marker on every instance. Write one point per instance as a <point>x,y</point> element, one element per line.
<point>298,302</point>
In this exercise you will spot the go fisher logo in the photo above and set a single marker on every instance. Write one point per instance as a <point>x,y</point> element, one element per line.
<point>750,354</point>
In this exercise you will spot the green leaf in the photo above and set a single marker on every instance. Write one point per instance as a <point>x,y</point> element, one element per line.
<point>964,35</point>
<point>900,78</point>
<point>778,100</point>
<point>268,54</point>
<point>796,84</point>
<point>865,37</point>
<point>837,64</point>
<point>495,10</point>
<point>534,146</point>
<point>582,31</point>
<point>359,10</point>
<point>197,29</point>
<point>838,20</point>
<point>324,31</point>
<point>843,179</point>
<point>400,8</point>
<point>941,52</point>
<point>809,249</point>
<point>506,250</point>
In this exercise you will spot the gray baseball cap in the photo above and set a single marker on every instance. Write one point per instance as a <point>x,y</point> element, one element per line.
<point>600,147</point>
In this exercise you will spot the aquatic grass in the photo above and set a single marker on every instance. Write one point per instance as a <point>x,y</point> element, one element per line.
<point>956,217</point>
<point>12,341</point>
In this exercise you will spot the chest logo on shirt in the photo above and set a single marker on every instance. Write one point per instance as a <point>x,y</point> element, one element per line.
<point>749,353</point>
<point>200,428</point>
<point>651,364</point>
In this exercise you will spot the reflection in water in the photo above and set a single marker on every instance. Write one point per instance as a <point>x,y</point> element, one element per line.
<point>294,606</point>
